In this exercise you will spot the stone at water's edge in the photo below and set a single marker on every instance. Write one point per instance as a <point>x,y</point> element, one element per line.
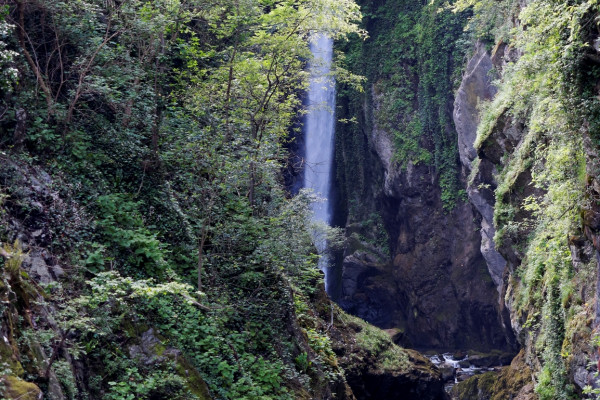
<point>513,382</point>
<point>421,382</point>
<point>374,367</point>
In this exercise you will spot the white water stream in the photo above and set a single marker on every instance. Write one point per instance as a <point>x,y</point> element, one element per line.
<point>319,126</point>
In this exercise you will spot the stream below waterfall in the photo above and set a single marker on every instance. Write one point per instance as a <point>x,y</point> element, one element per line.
<point>456,367</point>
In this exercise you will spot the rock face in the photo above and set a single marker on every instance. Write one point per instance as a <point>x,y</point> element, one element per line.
<point>476,87</point>
<point>435,287</point>
<point>376,368</point>
<point>512,382</point>
<point>506,138</point>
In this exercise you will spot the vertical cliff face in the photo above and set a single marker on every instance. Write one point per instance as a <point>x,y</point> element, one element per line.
<point>512,260</point>
<point>475,88</point>
<point>434,282</point>
<point>531,148</point>
<point>435,287</point>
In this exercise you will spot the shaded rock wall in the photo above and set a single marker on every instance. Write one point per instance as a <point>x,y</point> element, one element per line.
<point>435,278</point>
<point>506,264</point>
<point>512,382</point>
<point>434,287</point>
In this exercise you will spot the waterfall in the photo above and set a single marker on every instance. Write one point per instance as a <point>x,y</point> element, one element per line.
<point>319,128</point>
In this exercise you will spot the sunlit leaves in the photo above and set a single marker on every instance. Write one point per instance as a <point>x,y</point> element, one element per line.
<point>541,93</point>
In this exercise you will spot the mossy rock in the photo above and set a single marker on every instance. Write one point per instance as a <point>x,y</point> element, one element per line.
<point>475,388</point>
<point>7,355</point>
<point>193,379</point>
<point>513,382</point>
<point>151,349</point>
<point>16,388</point>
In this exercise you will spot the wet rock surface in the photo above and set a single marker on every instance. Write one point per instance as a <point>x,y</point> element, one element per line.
<point>436,287</point>
<point>441,283</point>
<point>374,367</point>
<point>510,382</point>
<point>462,365</point>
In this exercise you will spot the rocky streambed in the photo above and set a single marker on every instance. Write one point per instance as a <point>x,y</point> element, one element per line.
<point>459,366</point>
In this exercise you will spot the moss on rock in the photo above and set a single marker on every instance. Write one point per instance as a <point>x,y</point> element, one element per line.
<point>16,388</point>
<point>7,355</point>
<point>511,383</point>
<point>194,381</point>
<point>375,367</point>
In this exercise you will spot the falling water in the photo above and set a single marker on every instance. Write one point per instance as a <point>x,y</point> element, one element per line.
<point>318,131</point>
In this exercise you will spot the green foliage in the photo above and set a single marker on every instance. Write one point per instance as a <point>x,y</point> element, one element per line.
<point>542,184</point>
<point>491,20</point>
<point>321,344</point>
<point>234,362</point>
<point>407,145</point>
<point>63,371</point>
<point>413,62</point>
<point>167,122</point>
<point>132,385</point>
<point>8,73</point>
<point>302,362</point>
<point>130,241</point>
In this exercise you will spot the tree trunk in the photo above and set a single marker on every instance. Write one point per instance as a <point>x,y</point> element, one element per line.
<point>32,64</point>
<point>201,256</point>
<point>21,129</point>
<point>252,184</point>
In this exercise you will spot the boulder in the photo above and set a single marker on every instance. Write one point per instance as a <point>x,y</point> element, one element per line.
<point>17,389</point>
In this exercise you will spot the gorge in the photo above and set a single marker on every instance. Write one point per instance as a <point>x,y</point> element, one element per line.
<point>153,244</point>
<point>475,268</point>
<point>428,279</point>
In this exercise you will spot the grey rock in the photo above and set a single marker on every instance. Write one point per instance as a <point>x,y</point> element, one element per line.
<point>494,260</point>
<point>583,377</point>
<point>476,87</point>
<point>39,269</point>
<point>448,373</point>
<point>145,351</point>
<point>384,147</point>
<point>353,268</point>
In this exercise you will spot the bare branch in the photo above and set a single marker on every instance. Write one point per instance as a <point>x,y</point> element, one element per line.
<point>22,34</point>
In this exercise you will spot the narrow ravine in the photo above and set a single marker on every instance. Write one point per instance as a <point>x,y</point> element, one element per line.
<point>319,129</point>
